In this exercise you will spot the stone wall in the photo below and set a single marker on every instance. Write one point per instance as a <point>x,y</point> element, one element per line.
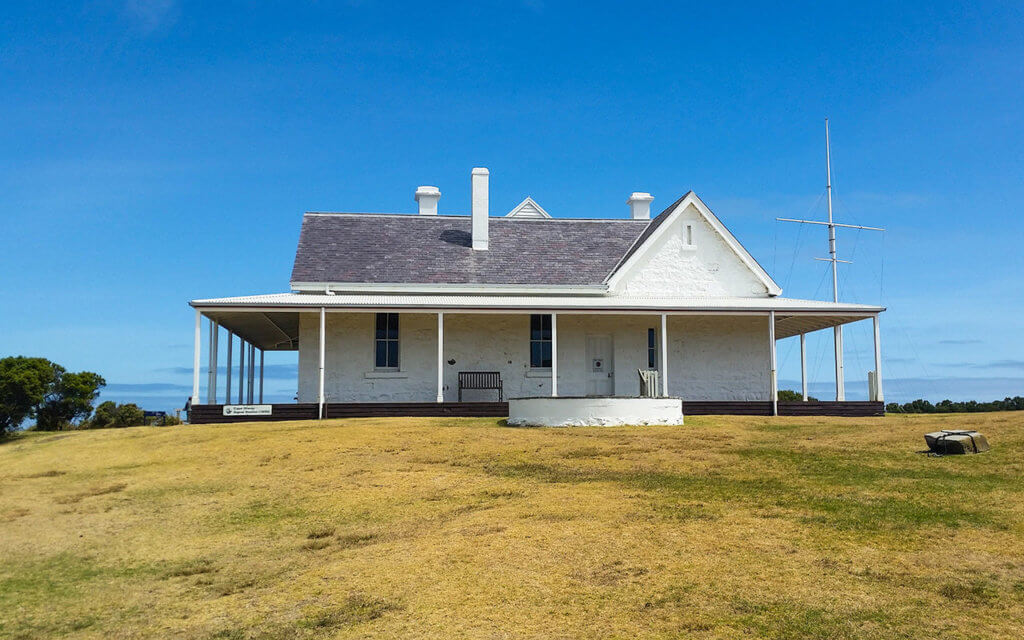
<point>694,264</point>
<point>710,358</point>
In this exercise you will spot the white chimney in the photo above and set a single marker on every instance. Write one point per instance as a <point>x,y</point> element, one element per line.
<point>427,198</point>
<point>479,185</point>
<point>640,205</point>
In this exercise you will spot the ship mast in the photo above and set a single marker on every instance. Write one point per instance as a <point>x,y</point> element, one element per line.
<point>834,259</point>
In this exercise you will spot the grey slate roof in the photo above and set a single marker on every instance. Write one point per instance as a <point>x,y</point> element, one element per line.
<point>407,249</point>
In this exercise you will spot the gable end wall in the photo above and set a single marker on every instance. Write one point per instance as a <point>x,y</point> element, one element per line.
<point>707,268</point>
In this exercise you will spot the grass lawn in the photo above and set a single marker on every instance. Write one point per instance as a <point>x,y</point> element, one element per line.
<point>389,528</point>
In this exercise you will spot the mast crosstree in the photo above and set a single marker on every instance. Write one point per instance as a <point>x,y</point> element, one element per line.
<point>833,258</point>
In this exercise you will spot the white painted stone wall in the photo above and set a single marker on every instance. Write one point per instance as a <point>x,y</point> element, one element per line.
<point>594,412</point>
<point>349,366</point>
<point>711,358</point>
<point>706,268</point>
<point>719,357</point>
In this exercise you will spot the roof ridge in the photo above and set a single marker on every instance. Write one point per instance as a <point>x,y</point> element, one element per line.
<point>416,216</point>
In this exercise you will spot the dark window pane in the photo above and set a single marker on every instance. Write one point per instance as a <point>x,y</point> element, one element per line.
<point>540,340</point>
<point>650,338</point>
<point>393,326</point>
<point>382,326</point>
<point>393,354</point>
<point>381,359</point>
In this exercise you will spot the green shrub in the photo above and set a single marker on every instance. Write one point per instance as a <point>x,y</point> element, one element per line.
<point>112,415</point>
<point>104,416</point>
<point>788,395</point>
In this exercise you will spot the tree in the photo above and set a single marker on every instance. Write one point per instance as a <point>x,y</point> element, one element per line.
<point>787,395</point>
<point>169,421</point>
<point>24,383</point>
<point>68,398</point>
<point>110,414</point>
<point>949,406</point>
<point>129,415</point>
<point>104,415</point>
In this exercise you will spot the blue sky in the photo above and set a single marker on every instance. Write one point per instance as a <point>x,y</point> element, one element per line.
<point>155,151</point>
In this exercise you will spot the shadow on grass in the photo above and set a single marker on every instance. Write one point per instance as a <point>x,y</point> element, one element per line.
<point>10,437</point>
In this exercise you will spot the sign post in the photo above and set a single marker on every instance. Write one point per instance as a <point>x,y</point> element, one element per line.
<point>248,410</point>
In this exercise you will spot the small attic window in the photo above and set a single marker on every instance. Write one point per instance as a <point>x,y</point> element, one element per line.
<point>689,234</point>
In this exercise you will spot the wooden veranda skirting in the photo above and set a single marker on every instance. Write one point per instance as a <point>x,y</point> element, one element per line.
<point>213,413</point>
<point>852,409</point>
<point>417,409</point>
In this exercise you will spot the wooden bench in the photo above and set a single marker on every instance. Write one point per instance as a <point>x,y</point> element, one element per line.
<point>486,380</point>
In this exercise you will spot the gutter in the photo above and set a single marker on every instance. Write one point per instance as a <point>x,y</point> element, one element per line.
<point>865,311</point>
<point>332,288</point>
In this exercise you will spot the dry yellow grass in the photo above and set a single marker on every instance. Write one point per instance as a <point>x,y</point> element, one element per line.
<point>724,528</point>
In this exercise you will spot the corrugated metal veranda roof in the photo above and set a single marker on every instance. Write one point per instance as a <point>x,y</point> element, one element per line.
<point>270,321</point>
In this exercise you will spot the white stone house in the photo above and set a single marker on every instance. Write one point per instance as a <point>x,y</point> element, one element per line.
<point>390,308</point>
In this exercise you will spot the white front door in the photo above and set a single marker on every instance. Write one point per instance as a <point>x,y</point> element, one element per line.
<point>600,367</point>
